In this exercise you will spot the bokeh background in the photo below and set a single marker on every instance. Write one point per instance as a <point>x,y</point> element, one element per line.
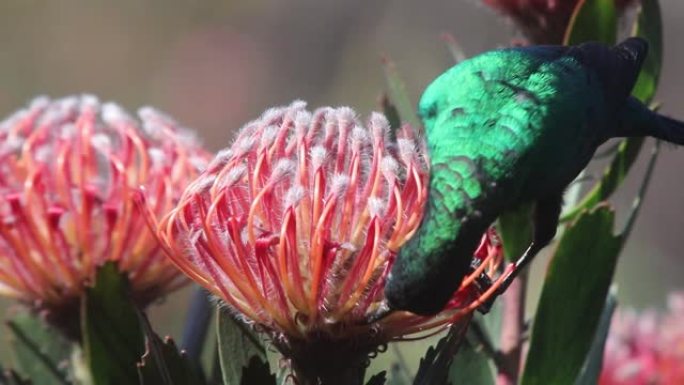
<point>214,65</point>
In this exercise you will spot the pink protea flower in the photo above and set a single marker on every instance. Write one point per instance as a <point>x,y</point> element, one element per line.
<point>647,348</point>
<point>67,171</point>
<point>296,226</point>
<point>543,21</point>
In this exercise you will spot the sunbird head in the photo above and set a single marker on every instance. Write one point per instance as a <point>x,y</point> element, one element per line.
<point>434,100</point>
<point>431,265</point>
<point>430,269</point>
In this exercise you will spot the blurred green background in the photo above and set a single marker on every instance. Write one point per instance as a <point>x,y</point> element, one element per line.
<point>215,65</point>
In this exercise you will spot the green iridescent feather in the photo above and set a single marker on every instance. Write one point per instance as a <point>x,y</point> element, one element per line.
<point>509,127</point>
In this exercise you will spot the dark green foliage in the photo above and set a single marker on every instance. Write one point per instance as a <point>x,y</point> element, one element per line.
<point>573,295</point>
<point>434,366</point>
<point>163,364</point>
<point>378,379</point>
<point>594,361</point>
<point>113,339</point>
<point>593,20</point>
<point>649,26</point>
<point>40,352</point>
<point>239,349</point>
<point>391,113</point>
<point>515,230</point>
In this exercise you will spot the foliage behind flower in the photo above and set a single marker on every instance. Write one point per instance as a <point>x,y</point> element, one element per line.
<point>646,348</point>
<point>297,224</point>
<point>67,169</point>
<point>543,21</point>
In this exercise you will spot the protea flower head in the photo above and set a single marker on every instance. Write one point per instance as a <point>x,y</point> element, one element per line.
<point>543,21</point>
<point>646,348</point>
<point>67,171</point>
<point>296,225</point>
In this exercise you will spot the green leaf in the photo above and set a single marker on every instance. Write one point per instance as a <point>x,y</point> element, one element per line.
<point>163,364</point>
<point>238,346</point>
<point>649,25</point>
<point>434,366</point>
<point>470,366</point>
<point>113,339</point>
<point>399,97</point>
<point>378,379</point>
<point>592,20</point>
<point>40,352</point>
<point>643,187</point>
<point>515,230</point>
<point>591,370</point>
<point>573,295</point>
<point>279,366</point>
<point>390,112</point>
<point>612,178</point>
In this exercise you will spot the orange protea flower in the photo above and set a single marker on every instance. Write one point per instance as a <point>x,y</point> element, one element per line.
<point>543,21</point>
<point>646,348</point>
<point>67,170</point>
<point>296,226</point>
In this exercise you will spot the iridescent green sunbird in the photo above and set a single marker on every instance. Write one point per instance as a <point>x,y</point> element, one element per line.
<point>511,127</point>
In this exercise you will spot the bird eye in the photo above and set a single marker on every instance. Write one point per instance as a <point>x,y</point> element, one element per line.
<point>430,112</point>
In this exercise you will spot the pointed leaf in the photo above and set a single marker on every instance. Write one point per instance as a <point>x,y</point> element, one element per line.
<point>238,345</point>
<point>470,366</point>
<point>643,187</point>
<point>515,230</point>
<point>40,352</point>
<point>279,366</point>
<point>399,97</point>
<point>573,295</point>
<point>163,364</point>
<point>593,363</point>
<point>113,340</point>
<point>592,20</point>
<point>390,112</point>
<point>434,366</point>
<point>378,379</point>
<point>613,176</point>
<point>649,25</point>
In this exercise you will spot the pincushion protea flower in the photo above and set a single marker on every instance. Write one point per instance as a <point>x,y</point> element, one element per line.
<point>543,21</point>
<point>295,228</point>
<point>647,348</point>
<point>67,171</point>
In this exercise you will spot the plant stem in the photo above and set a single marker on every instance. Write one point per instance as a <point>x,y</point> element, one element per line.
<point>512,329</point>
